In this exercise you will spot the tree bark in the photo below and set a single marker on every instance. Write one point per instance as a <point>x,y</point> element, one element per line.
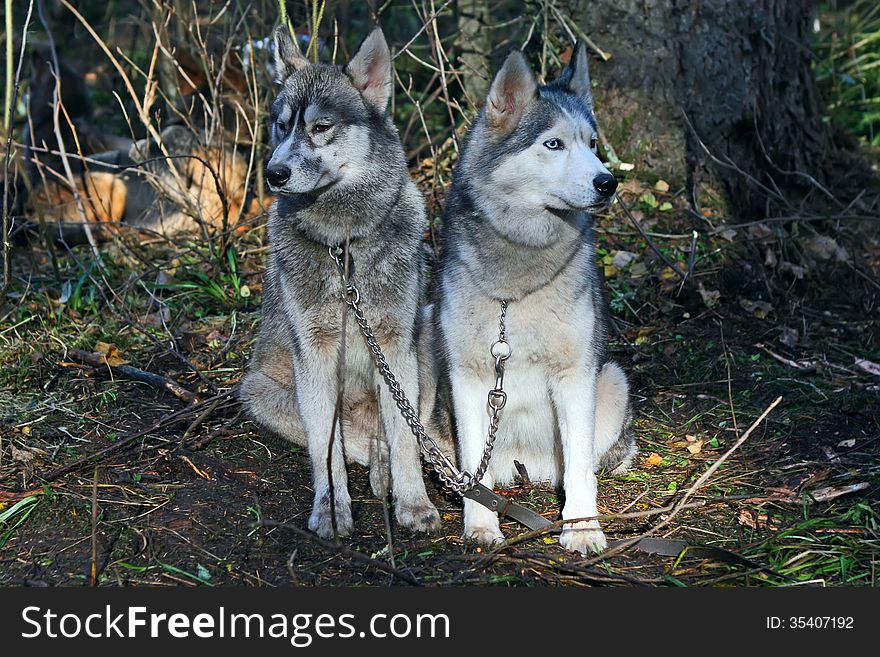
<point>474,48</point>
<point>717,86</point>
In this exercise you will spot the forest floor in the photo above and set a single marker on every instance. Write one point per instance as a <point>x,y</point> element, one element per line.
<point>193,493</point>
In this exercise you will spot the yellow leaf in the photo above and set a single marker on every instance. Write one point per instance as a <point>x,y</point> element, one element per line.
<point>643,334</point>
<point>662,186</point>
<point>695,447</point>
<point>610,270</point>
<point>448,517</point>
<point>653,459</point>
<point>110,352</point>
<point>668,274</point>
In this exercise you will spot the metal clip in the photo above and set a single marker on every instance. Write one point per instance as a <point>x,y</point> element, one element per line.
<point>497,399</point>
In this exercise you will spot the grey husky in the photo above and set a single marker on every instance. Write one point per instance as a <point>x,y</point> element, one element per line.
<point>517,228</point>
<point>340,174</point>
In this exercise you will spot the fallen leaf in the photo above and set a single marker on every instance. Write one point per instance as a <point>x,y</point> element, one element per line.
<point>653,459</point>
<point>622,258</point>
<point>759,309</point>
<point>9,496</point>
<point>638,270</point>
<point>709,297</point>
<point>626,166</point>
<point>111,353</point>
<point>24,455</point>
<point>667,274</point>
<point>661,186</point>
<point>695,447</point>
<point>824,247</point>
<point>643,334</point>
<point>649,199</point>
<point>847,443</point>
<point>751,518</point>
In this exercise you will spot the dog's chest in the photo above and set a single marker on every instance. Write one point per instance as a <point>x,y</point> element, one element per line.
<point>549,332</point>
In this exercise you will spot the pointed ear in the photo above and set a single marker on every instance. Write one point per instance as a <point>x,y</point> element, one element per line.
<point>576,76</point>
<point>512,91</point>
<point>370,70</point>
<point>288,58</point>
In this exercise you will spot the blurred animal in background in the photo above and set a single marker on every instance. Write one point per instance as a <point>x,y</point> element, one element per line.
<point>170,186</point>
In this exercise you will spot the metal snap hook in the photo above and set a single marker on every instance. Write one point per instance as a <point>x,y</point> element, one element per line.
<point>497,399</point>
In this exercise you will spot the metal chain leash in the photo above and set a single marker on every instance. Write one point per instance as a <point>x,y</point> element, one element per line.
<point>457,481</point>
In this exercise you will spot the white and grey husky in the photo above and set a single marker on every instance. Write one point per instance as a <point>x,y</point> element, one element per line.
<point>517,228</point>
<point>340,173</point>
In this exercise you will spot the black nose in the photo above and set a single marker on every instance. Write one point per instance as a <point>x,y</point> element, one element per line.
<point>278,175</point>
<point>605,184</point>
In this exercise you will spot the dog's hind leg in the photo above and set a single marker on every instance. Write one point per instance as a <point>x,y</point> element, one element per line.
<point>267,391</point>
<point>615,443</point>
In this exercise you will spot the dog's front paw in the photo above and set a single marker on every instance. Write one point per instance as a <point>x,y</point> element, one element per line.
<point>419,516</point>
<point>321,520</point>
<point>485,535</point>
<point>583,537</point>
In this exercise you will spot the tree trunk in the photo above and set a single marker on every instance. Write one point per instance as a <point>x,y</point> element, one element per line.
<point>717,85</point>
<point>474,48</point>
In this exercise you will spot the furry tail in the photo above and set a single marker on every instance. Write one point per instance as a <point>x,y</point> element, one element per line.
<point>615,438</point>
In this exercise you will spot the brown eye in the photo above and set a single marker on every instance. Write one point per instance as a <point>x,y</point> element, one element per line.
<point>322,127</point>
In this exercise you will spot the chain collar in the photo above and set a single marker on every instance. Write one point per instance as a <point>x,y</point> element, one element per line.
<point>451,477</point>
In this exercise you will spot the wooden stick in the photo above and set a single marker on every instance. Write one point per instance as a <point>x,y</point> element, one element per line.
<point>99,361</point>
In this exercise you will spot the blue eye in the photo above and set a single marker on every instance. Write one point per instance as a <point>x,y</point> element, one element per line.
<point>554,144</point>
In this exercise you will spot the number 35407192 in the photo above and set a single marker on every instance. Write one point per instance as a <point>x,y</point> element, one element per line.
<point>810,622</point>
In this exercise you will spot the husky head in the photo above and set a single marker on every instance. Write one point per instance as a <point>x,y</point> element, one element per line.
<point>331,134</point>
<point>533,153</point>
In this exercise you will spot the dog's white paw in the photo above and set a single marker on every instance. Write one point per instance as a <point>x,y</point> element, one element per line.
<point>583,537</point>
<point>321,520</point>
<point>485,535</point>
<point>420,516</point>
